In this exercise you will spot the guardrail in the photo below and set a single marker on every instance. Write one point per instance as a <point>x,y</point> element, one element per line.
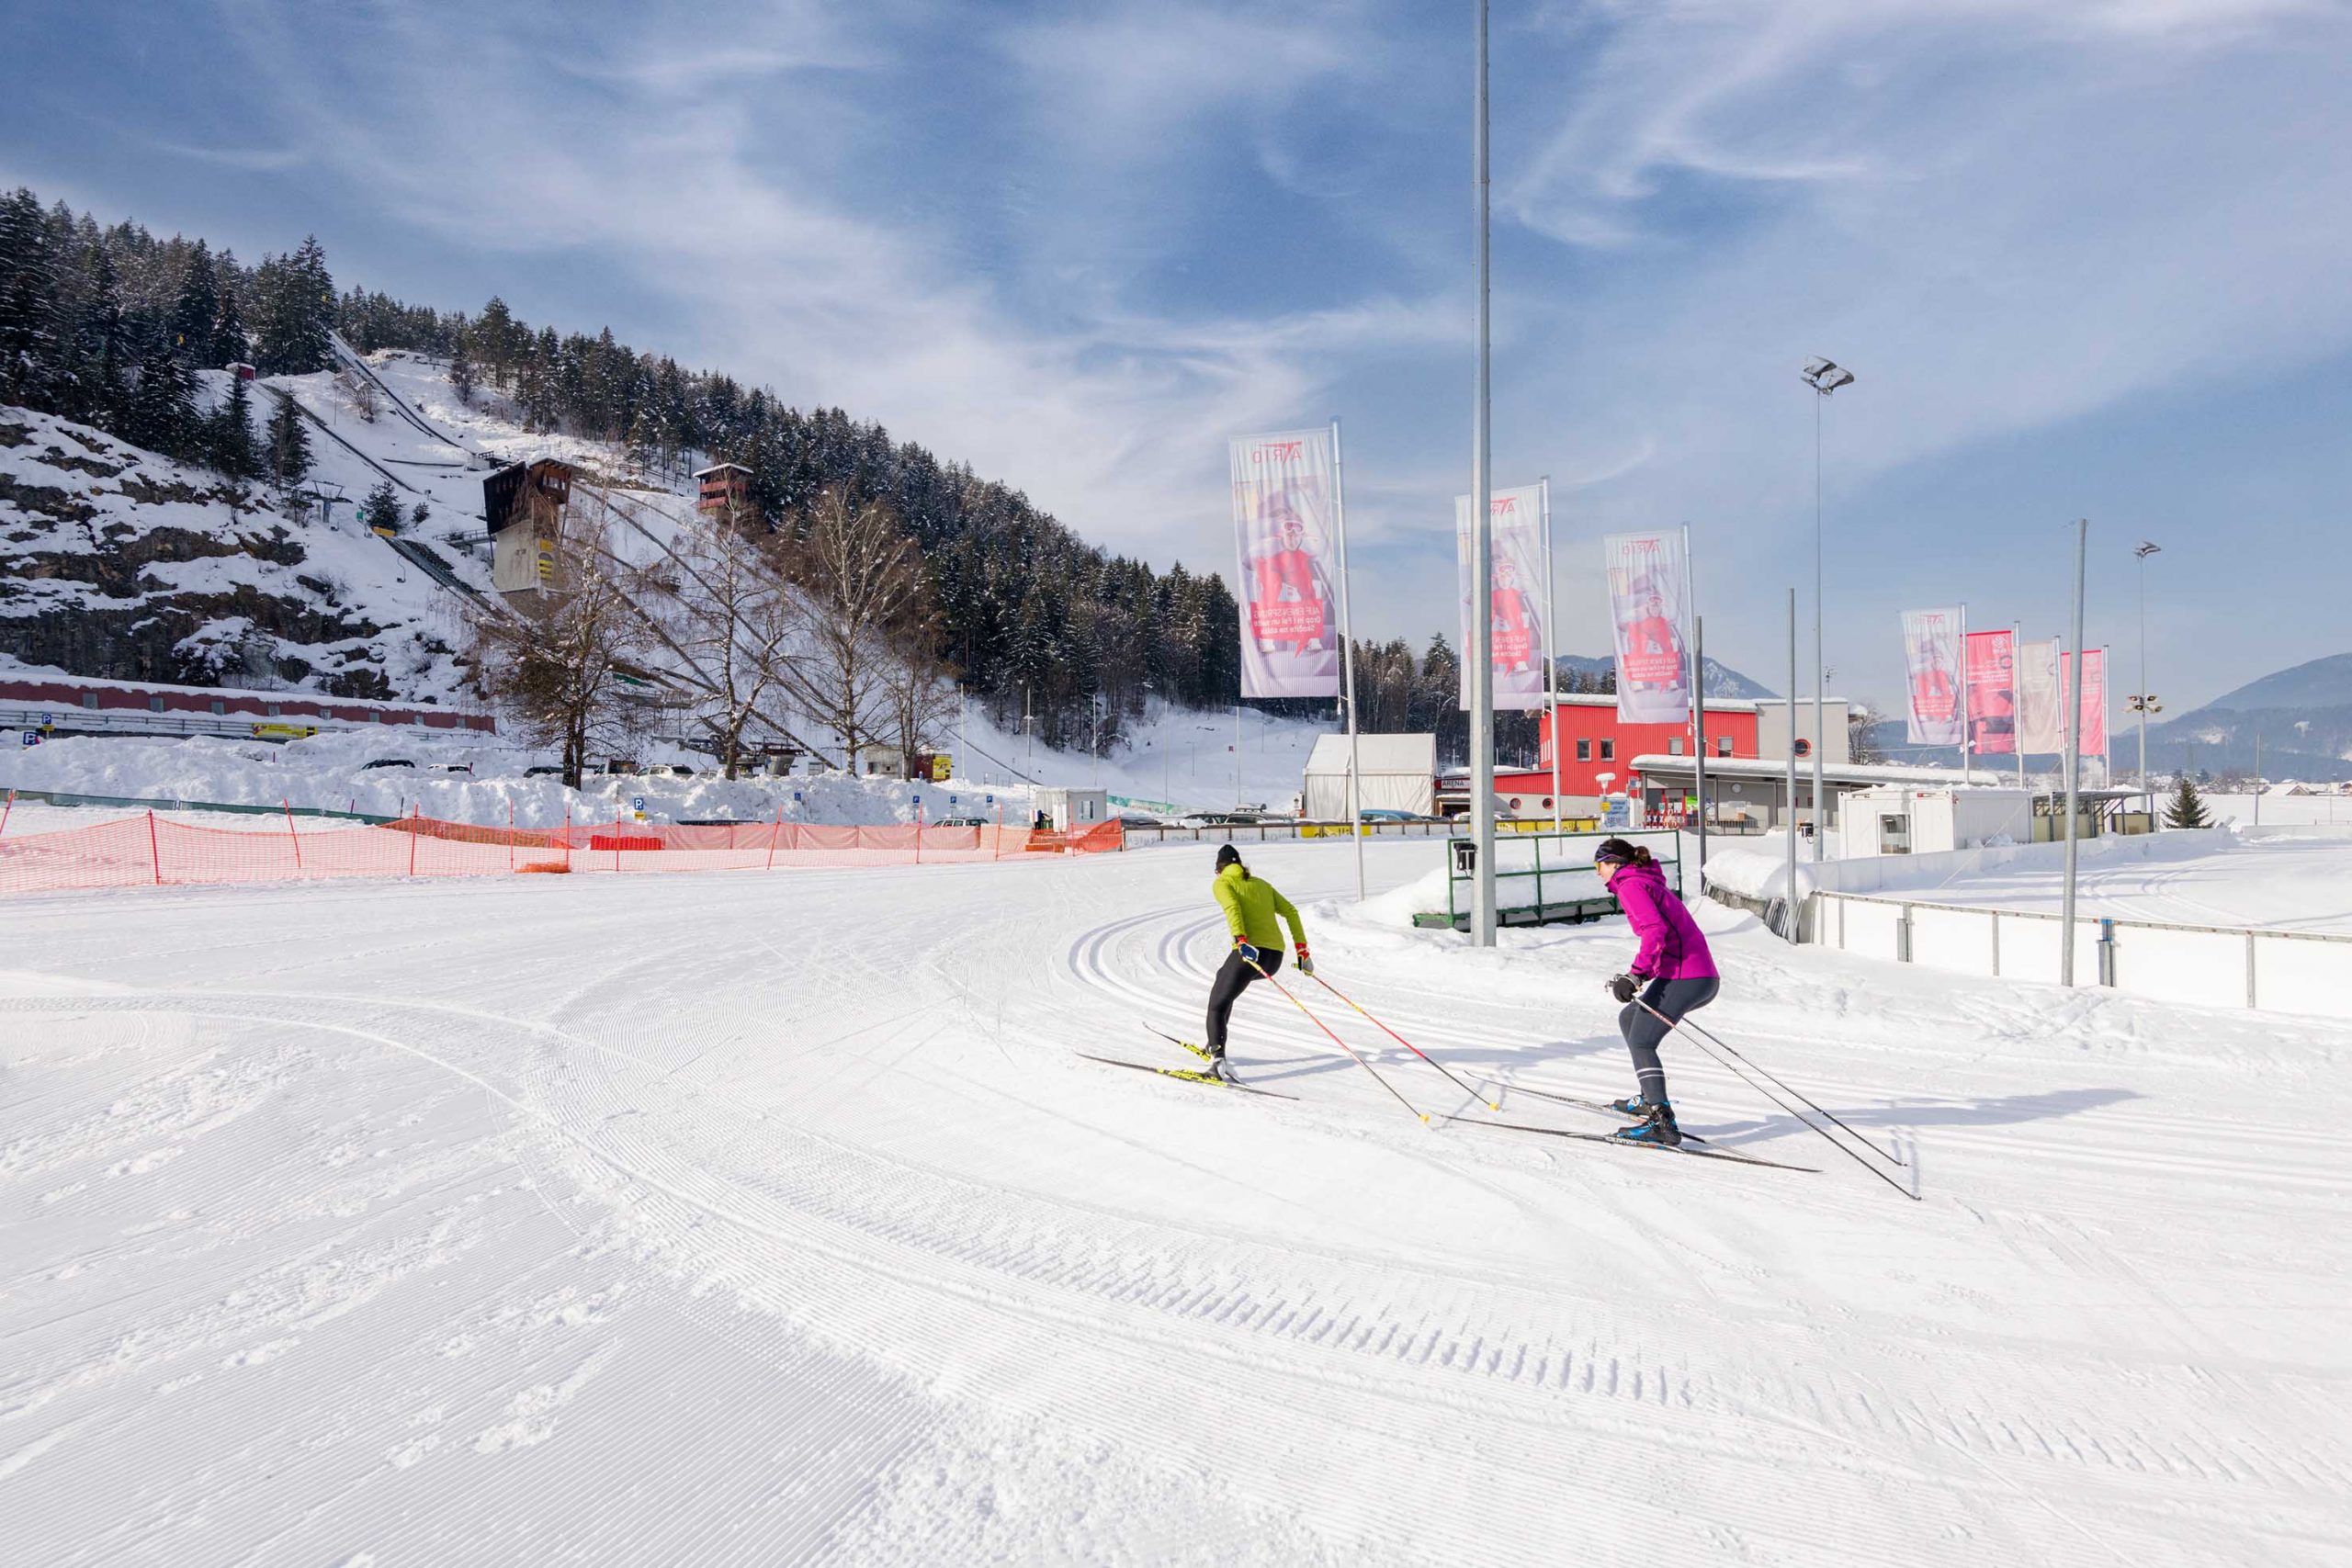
<point>2236,966</point>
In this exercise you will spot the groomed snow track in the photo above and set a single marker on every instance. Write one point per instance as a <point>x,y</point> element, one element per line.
<point>727,1219</point>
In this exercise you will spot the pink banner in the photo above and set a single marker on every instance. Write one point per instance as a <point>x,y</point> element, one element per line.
<point>1285,529</point>
<point>2094,716</point>
<point>1992,694</point>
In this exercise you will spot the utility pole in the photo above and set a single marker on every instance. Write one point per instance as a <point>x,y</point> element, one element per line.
<point>1481,652</point>
<point>2074,760</point>
<point>2145,702</point>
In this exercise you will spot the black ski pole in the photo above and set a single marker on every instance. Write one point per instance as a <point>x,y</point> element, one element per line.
<point>1783,1105</point>
<point>1766,1074</point>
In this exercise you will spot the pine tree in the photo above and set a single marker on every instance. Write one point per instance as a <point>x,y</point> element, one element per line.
<point>382,510</point>
<point>161,414</point>
<point>461,369</point>
<point>294,301</point>
<point>102,362</point>
<point>230,343</point>
<point>289,445</point>
<point>2188,807</point>
<point>231,437</point>
<point>187,332</point>
<point>28,287</point>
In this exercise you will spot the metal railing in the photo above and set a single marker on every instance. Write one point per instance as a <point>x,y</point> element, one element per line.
<point>1519,869</point>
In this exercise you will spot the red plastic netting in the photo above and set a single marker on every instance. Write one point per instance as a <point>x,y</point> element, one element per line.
<point>150,851</point>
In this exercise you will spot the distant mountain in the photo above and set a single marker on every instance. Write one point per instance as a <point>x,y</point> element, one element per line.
<point>2322,684</point>
<point>1723,681</point>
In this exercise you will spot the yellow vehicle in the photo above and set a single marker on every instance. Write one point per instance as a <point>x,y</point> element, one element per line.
<point>284,731</point>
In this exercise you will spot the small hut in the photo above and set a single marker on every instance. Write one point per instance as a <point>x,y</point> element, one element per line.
<point>524,505</point>
<point>724,490</point>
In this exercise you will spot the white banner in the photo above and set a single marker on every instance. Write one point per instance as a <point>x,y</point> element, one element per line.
<point>1285,532</point>
<point>1516,602</point>
<point>1649,598</point>
<point>2042,703</point>
<point>1931,652</point>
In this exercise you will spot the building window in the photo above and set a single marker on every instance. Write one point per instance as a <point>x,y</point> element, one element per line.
<point>89,699</point>
<point>1514,803</point>
<point>220,707</point>
<point>277,711</point>
<point>1723,745</point>
<point>1584,750</point>
<point>1674,745</point>
<point>155,705</point>
<point>1609,750</point>
<point>1547,802</point>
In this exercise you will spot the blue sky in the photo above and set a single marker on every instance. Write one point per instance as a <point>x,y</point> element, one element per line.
<point>2089,259</point>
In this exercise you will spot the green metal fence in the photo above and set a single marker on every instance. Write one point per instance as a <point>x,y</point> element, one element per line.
<point>1526,863</point>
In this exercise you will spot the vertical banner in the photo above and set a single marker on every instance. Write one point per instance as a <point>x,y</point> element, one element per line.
<point>1649,594</point>
<point>1992,659</point>
<point>2094,715</point>
<point>1931,652</point>
<point>1514,600</point>
<point>2041,699</point>
<point>1284,533</point>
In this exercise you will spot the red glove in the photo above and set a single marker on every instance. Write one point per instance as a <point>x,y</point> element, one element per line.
<point>1305,960</point>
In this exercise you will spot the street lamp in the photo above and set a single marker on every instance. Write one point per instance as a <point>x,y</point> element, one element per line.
<point>1825,377</point>
<point>2143,701</point>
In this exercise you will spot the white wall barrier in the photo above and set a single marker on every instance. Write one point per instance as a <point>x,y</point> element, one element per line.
<point>2305,972</point>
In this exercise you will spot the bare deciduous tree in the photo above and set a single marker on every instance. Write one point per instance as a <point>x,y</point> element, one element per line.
<point>860,576</point>
<point>740,625</point>
<point>555,663</point>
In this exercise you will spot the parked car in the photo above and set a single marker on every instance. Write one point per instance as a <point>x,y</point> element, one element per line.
<point>961,822</point>
<point>387,762</point>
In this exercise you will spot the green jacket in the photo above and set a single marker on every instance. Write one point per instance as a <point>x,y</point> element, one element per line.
<point>1250,904</point>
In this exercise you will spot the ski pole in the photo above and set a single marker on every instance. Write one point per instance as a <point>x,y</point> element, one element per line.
<point>1342,1045</point>
<point>1783,1105</point>
<point>1408,1045</point>
<point>1776,1083</point>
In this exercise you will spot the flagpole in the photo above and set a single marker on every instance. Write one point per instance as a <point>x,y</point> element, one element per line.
<point>1480,655</point>
<point>1697,697</point>
<point>2017,695</point>
<point>1965,744</point>
<point>1348,660</point>
<point>1551,654</point>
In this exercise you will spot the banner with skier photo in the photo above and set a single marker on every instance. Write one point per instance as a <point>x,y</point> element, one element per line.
<point>1931,652</point>
<point>1515,602</point>
<point>1992,659</point>
<point>1285,529</point>
<point>2040,705</point>
<point>1649,598</point>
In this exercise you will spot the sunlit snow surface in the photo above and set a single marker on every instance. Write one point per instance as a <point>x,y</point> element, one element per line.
<point>776,1218</point>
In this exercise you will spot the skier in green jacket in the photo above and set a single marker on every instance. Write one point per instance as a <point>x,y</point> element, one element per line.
<point>1251,907</point>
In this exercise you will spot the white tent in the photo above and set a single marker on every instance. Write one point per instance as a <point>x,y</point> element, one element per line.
<point>1399,775</point>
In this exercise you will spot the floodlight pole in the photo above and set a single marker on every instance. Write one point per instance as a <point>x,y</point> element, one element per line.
<point>2147,550</point>
<point>2074,760</point>
<point>1820,664</point>
<point>1481,652</point>
<point>1551,656</point>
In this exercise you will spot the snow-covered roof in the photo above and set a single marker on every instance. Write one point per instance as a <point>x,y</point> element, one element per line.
<point>1407,754</point>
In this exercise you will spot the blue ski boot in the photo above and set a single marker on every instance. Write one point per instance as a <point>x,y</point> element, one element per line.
<point>1656,1126</point>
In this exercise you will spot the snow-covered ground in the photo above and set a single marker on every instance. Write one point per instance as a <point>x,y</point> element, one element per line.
<point>2282,810</point>
<point>2287,882</point>
<point>771,1219</point>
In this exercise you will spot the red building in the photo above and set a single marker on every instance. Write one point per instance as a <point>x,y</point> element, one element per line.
<point>725,488</point>
<point>1598,742</point>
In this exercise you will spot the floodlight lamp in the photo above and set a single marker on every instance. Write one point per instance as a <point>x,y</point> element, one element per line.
<point>1826,376</point>
<point>2147,548</point>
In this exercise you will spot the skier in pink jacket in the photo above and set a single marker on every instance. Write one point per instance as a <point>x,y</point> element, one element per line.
<point>1672,975</point>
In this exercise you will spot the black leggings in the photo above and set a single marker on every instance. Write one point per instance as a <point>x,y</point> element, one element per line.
<point>1231,981</point>
<point>1643,1031</point>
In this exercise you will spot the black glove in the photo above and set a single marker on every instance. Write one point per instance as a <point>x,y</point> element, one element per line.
<point>1623,987</point>
<point>1249,954</point>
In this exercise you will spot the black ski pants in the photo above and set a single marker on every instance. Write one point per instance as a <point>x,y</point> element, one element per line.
<point>1643,1030</point>
<point>1233,980</point>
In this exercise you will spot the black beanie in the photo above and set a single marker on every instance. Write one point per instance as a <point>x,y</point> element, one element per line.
<point>1227,855</point>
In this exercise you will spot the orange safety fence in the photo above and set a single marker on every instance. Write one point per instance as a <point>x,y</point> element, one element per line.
<point>150,851</point>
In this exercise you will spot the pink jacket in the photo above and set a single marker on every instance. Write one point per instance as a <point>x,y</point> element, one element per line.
<point>1672,947</point>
